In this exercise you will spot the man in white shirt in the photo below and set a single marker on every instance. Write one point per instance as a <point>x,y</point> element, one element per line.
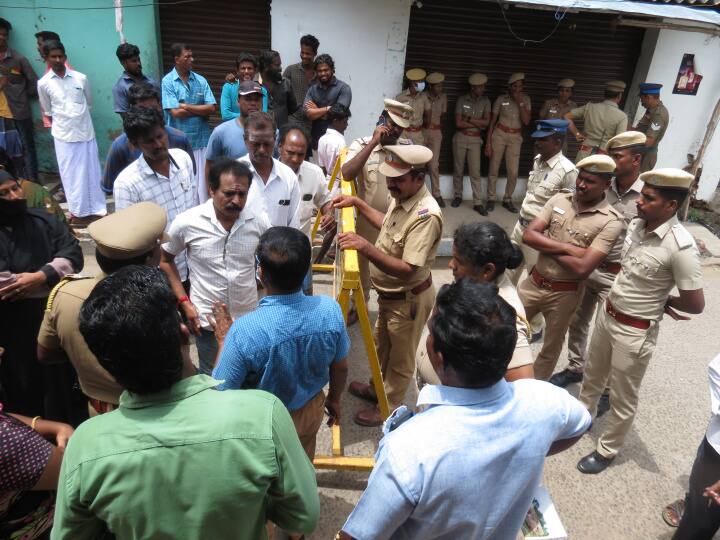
<point>333,141</point>
<point>65,97</point>
<point>275,188</point>
<point>165,177</point>
<point>314,193</point>
<point>220,238</point>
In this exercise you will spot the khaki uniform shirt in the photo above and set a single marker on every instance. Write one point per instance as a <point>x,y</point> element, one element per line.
<point>419,104</point>
<point>553,109</point>
<point>508,110</point>
<point>438,107</point>
<point>625,204</point>
<point>411,231</point>
<point>60,330</point>
<point>545,180</point>
<point>597,227</point>
<point>652,264</point>
<point>654,122</point>
<point>602,121</point>
<point>468,106</point>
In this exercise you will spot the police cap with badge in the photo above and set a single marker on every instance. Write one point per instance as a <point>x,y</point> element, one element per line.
<point>399,112</point>
<point>130,232</point>
<point>649,89</point>
<point>553,126</point>
<point>599,164</point>
<point>668,178</point>
<point>401,159</point>
<point>626,139</point>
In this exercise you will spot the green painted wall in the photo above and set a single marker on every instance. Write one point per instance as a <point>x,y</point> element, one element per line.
<point>90,40</point>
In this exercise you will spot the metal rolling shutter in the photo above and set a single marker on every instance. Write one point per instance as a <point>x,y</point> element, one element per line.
<point>459,37</point>
<point>217,31</point>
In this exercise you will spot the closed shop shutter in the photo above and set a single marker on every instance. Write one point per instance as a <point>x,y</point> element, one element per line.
<point>217,31</point>
<point>460,37</point>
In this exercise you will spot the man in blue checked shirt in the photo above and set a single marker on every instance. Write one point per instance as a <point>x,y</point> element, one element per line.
<point>292,344</point>
<point>188,102</point>
<point>466,467</point>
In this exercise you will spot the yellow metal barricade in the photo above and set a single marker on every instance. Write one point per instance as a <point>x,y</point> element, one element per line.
<point>347,288</point>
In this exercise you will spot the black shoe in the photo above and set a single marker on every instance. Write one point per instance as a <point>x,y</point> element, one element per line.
<point>508,205</point>
<point>593,463</point>
<point>565,377</point>
<point>603,405</point>
<point>490,206</point>
<point>440,201</point>
<point>537,336</point>
<point>480,209</point>
<point>456,202</point>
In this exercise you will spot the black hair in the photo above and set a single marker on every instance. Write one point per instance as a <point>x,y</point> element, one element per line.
<point>5,24</point>
<point>558,138</point>
<point>672,194</point>
<point>635,149</point>
<point>47,35</point>
<point>126,51</point>
<point>7,163</point>
<point>51,45</point>
<point>612,94</point>
<point>139,121</point>
<point>485,242</point>
<point>284,255</point>
<point>259,120</point>
<point>324,59</point>
<point>131,324</point>
<point>338,111</point>
<point>110,266</point>
<point>142,91</point>
<point>246,57</point>
<point>310,41</point>
<point>287,128</point>
<point>226,165</point>
<point>475,330</point>
<point>266,58</point>
<point>176,49</point>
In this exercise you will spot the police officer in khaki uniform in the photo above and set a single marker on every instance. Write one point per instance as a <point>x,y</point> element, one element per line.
<point>435,117</point>
<point>364,157</point>
<point>574,232</point>
<point>400,271</point>
<point>128,236</point>
<point>653,123</point>
<point>415,96</point>
<point>558,107</point>
<point>552,172</point>
<point>626,150</point>
<point>602,121</point>
<point>658,254</point>
<point>510,113</point>
<point>472,114</point>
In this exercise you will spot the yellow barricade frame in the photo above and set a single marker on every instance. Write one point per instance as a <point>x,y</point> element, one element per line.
<point>347,288</point>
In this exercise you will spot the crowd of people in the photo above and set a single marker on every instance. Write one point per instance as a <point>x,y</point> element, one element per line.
<point>210,245</point>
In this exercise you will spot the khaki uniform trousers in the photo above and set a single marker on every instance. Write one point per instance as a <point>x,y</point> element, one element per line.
<point>507,145</point>
<point>619,354</point>
<point>397,333</point>
<point>433,140</point>
<point>648,161</point>
<point>425,372</point>
<point>369,233</point>
<point>595,292</point>
<point>415,136</point>
<point>307,420</point>
<point>470,148</point>
<point>557,307</point>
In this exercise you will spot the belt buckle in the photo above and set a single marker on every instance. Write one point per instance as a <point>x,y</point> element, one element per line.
<point>611,311</point>
<point>546,284</point>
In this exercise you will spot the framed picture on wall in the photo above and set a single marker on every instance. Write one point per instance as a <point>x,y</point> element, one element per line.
<point>688,80</point>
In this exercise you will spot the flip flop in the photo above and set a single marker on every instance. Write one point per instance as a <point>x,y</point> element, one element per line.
<point>673,512</point>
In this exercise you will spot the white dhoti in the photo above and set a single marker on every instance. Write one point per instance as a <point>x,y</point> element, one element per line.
<point>199,154</point>
<point>81,176</point>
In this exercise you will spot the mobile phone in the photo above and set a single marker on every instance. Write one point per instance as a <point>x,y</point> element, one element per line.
<point>381,121</point>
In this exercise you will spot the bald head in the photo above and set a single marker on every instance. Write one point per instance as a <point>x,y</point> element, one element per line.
<point>294,143</point>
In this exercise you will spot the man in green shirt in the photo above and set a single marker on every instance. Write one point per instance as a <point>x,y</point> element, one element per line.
<point>177,459</point>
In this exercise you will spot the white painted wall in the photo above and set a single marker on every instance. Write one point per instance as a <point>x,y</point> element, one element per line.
<point>689,115</point>
<point>366,39</point>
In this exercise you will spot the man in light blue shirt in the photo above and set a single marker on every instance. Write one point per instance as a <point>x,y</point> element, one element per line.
<point>292,345</point>
<point>188,102</point>
<point>466,467</point>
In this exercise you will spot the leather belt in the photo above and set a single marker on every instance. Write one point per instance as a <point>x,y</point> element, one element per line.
<point>470,133</point>
<point>642,324</point>
<point>612,267</point>
<point>524,222</point>
<point>596,149</point>
<point>413,128</point>
<point>402,295</point>
<point>434,126</point>
<point>506,129</point>
<point>551,285</point>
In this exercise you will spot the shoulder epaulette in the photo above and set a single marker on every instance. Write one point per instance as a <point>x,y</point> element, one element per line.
<point>682,236</point>
<point>64,281</point>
